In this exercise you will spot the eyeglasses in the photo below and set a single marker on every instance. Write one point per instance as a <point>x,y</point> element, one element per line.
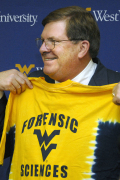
<point>50,43</point>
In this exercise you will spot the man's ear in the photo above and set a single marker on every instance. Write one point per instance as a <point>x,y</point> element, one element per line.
<point>83,48</point>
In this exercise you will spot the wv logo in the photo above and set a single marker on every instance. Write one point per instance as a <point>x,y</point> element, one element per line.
<point>88,9</point>
<point>47,139</point>
<point>24,69</point>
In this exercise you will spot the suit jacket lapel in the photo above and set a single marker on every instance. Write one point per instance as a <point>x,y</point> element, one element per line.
<point>100,76</point>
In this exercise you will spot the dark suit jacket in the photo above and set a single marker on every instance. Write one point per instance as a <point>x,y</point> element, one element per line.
<point>102,76</point>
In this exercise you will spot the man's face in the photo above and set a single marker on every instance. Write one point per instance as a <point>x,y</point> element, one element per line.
<point>60,63</point>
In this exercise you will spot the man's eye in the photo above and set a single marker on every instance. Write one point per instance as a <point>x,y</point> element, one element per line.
<point>56,41</point>
<point>52,41</point>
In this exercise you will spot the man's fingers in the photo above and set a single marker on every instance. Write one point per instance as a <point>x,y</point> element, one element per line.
<point>14,81</point>
<point>23,87</point>
<point>28,83</point>
<point>116,94</point>
<point>13,89</point>
<point>21,82</point>
<point>116,99</point>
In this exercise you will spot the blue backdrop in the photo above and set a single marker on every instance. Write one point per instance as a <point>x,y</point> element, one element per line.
<point>20,24</point>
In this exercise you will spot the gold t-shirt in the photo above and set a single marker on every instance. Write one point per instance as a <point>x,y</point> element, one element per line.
<point>58,131</point>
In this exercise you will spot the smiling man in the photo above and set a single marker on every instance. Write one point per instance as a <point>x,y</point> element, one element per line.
<point>65,59</point>
<point>69,54</point>
<point>69,45</point>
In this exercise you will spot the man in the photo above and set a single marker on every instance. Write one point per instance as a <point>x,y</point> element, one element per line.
<point>69,46</point>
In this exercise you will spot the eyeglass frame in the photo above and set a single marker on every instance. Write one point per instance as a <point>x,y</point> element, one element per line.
<point>53,41</point>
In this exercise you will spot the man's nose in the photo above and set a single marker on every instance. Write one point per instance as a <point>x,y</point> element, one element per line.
<point>43,48</point>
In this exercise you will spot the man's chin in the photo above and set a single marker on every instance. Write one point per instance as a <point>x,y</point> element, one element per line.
<point>47,71</point>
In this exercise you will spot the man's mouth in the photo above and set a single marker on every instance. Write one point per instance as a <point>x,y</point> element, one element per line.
<point>50,59</point>
<point>48,56</point>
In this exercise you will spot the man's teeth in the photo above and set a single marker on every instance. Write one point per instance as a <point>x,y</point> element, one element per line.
<point>50,59</point>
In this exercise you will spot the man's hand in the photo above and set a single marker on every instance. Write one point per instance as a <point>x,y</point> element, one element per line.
<point>116,94</point>
<point>14,81</point>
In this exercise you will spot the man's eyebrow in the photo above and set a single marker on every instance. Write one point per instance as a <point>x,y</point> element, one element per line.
<point>51,38</point>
